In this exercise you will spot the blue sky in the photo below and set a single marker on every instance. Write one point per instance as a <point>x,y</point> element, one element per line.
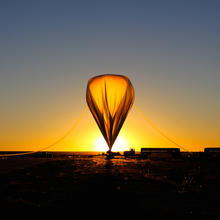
<point>169,49</point>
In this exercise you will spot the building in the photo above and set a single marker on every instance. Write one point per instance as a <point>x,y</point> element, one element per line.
<point>212,152</point>
<point>129,153</point>
<point>160,152</point>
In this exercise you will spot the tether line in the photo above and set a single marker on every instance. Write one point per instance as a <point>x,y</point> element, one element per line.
<point>55,142</point>
<point>157,129</point>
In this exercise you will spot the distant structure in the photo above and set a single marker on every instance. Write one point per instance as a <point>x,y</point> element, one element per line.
<point>129,153</point>
<point>43,154</point>
<point>212,152</point>
<point>160,152</point>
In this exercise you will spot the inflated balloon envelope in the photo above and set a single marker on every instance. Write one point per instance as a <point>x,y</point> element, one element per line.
<point>110,97</point>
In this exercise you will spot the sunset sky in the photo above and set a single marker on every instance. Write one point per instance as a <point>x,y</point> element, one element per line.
<point>170,50</point>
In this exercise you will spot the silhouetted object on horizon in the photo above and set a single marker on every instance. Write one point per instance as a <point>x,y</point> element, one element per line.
<point>111,155</point>
<point>129,153</point>
<point>212,152</point>
<point>43,154</point>
<point>110,97</point>
<point>146,152</point>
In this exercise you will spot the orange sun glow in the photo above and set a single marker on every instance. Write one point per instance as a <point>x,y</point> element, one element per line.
<point>120,144</point>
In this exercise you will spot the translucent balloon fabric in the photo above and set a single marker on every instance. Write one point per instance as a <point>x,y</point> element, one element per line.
<point>110,97</point>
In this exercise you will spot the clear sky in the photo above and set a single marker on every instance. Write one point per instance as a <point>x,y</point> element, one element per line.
<point>170,50</point>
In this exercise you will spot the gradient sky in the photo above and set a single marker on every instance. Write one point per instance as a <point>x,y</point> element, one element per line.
<point>170,50</point>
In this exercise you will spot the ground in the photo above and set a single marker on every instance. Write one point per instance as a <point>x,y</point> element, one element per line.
<point>180,188</point>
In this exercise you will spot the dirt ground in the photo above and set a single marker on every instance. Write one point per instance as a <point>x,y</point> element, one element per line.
<point>176,188</point>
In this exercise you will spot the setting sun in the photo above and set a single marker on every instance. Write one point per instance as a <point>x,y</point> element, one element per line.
<point>120,144</point>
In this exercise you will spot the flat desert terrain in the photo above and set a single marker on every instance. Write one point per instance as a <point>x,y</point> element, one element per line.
<point>178,188</point>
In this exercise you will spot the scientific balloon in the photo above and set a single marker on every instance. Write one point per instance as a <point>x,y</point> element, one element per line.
<point>110,97</point>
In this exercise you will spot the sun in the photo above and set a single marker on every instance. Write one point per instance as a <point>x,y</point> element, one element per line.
<point>119,145</point>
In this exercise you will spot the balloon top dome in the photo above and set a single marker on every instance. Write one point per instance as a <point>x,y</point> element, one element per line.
<point>110,97</point>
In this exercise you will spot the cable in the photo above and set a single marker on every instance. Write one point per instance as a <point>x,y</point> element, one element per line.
<point>157,129</point>
<point>55,142</point>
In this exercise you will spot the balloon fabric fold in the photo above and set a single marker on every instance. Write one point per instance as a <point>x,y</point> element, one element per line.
<point>110,97</point>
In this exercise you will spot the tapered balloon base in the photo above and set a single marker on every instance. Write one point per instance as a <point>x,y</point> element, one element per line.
<point>109,97</point>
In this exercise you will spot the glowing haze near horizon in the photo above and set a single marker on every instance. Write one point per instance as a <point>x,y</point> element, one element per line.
<point>170,50</point>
